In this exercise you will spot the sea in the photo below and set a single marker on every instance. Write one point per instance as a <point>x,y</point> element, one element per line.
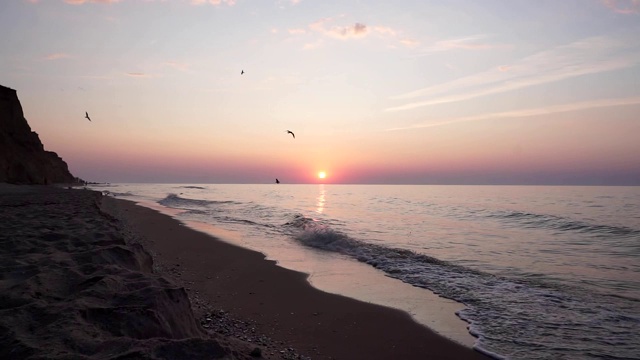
<point>534,272</point>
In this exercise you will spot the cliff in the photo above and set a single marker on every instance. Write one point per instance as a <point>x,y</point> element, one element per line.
<point>23,159</point>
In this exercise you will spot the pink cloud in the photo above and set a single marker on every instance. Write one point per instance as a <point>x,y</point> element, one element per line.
<point>623,6</point>
<point>466,43</point>
<point>358,30</point>
<point>410,43</point>
<point>139,75</point>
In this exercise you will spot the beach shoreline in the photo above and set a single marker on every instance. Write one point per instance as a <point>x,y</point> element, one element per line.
<point>90,276</point>
<point>353,279</point>
<point>279,303</point>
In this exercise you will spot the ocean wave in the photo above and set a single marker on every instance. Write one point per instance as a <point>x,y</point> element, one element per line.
<point>495,305</point>
<point>177,202</point>
<point>211,211</point>
<point>192,187</point>
<point>114,194</point>
<point>553,222</point>
<point>234,220</point>
<point>194,212</point>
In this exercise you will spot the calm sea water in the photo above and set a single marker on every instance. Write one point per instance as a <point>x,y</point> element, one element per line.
<point>543,272</point>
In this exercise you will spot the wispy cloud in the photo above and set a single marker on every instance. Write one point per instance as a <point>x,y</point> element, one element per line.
<point>329,28</point>
<point>57,56</point>
<point>584,105</point>
<point>587,56</point>
<point>325,27</point>
<point>475,42</point>
<point>139,75</point>
<point>623,6</point>
<point>410,43</point>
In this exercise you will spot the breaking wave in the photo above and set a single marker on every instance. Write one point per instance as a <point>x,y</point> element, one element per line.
<point>177,202</point>
<point>496,306</point>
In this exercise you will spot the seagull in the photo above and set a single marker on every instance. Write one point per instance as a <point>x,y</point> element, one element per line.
<point>86,116</point>
<point>292,134</point>
<point>277,181</point>
<point>241,72</point>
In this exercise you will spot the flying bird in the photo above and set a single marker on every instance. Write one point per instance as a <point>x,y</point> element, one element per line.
<point>241,72</point>
<point>292,134</point>
<point>86,116</point>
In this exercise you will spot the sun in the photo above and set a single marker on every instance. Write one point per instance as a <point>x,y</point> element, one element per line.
<point>322,175</point>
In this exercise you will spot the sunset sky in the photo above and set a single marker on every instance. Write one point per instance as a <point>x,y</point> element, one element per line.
<point>398,92</point>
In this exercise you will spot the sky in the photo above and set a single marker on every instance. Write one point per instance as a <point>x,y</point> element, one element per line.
<point>535,92</point>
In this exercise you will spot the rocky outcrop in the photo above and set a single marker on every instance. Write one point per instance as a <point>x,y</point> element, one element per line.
<point>23,159</point>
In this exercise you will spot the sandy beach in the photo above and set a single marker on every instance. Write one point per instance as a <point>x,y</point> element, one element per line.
<point>88,276</point>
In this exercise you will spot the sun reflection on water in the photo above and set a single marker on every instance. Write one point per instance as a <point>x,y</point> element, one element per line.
<point>320,200</point>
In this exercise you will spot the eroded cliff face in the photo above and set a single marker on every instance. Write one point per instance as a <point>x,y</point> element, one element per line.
<point>23,159</point>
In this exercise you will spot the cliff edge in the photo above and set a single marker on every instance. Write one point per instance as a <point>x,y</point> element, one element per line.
<point>23,159</point>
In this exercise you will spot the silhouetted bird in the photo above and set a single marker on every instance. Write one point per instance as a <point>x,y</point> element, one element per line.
<point>86,116</point>
<point>292,134</point>
<point>241,72</point>
<point>277,181</point>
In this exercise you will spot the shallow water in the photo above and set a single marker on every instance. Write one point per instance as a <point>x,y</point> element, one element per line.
<point>543,272</point>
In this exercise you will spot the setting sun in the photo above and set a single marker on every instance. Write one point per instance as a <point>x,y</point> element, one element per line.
<point>322,175</point>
